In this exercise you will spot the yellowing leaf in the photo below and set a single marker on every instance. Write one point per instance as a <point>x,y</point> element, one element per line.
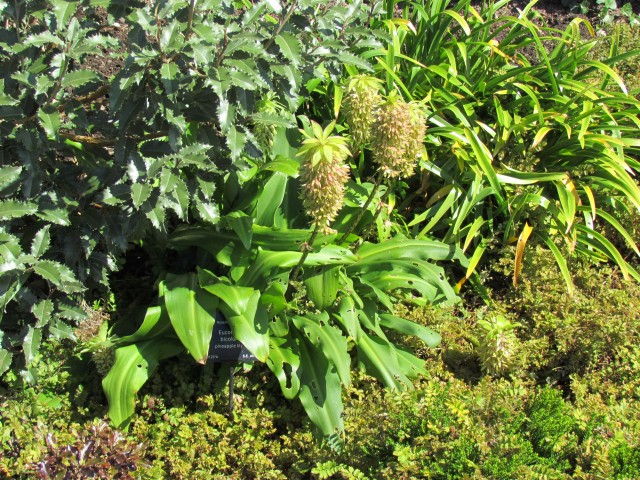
<point>522,242</point>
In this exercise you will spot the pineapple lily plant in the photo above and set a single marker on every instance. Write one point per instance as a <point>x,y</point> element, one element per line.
<point>300,299</point>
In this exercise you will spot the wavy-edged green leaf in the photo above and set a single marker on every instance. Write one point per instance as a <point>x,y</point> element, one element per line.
<point>329,339</point>
<point>428,336</point>
<point>192,312</point>
<point>284,362</point>
<point>406,249</point>
<point>243,310</point>
<point>156,322</point>
<point>270,199</point>
<point>241,224</point>
<point>132,368</point>
<point>323,285</point>
<point>320,391</point>
<point>380,359</point>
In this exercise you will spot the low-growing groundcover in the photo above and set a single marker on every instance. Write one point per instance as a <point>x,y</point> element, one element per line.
<point>567,409</point>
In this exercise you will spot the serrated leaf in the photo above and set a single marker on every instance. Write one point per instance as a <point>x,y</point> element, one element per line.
<point>359,62</point>
<point>168,73</point>
<point>58,274</point>
<point>42,311</point>
<point>208,212</point>
<point>50,120</point>
<point>157,216</point>
<point>289,47</point>
<point>41,242</point>
<point>235,142</point>
<point>5,360</point>
<point>31,344</point>
<point>168,180</point>
<point>8,175</point>
<point>56,215</point>
<point>13,209</point>
<point>71,312</point>
<point>63,11</point>
<point>140,192</point>
<point>44,38</point>
<point>77,78</point>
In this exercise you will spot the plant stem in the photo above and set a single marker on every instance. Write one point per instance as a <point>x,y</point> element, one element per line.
<point>281,25</point>
<point>189,31</point>
<point>363,210</point>
<point>305,254</point>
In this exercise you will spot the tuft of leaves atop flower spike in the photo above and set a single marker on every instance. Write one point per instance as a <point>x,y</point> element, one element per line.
<point>397,137</point>
<point>323,173</point>
<point>360,107</point>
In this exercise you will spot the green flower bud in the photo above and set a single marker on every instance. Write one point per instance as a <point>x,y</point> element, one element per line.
<point>397,137</point>
<point>360,106</point>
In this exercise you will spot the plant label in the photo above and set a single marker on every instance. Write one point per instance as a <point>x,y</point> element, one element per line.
<point>224,347</point>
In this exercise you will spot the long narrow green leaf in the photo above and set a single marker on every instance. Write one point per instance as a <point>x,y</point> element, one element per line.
<point>428,336</point>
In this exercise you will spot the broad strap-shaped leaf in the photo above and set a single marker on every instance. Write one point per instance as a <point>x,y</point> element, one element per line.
<point>245,313</point>
<point>284,362</point>
<point>156,323</point>
<point>192,312</point>
<point>132,368</point>
<point>380,359</point>
<point>241,224</point>
<point>270,199</point>
<point>428,336</point>
<point>322,285</point>
<point>320,391</point>
<point>329,339</point>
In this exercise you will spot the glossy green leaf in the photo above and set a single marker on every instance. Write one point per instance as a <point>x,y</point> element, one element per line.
<point>289,47</point>
<point>323,285</point>
<point>8,175</point>
<point>31,344</point>
<point>192,313</point>
<point>329,339</point>
<point>41,242</point>
<point>245,313</point>
<point>42,311</point>
<point>132,368</point>
<point>380,359</point>
<point>156,323</point>
<point>320,391</point>
<point>284,362</point>
<point>5,360</point>
<point>241,224</point>
<point>14,209</point>
<point>270,199</point>
<point>428,336</point>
